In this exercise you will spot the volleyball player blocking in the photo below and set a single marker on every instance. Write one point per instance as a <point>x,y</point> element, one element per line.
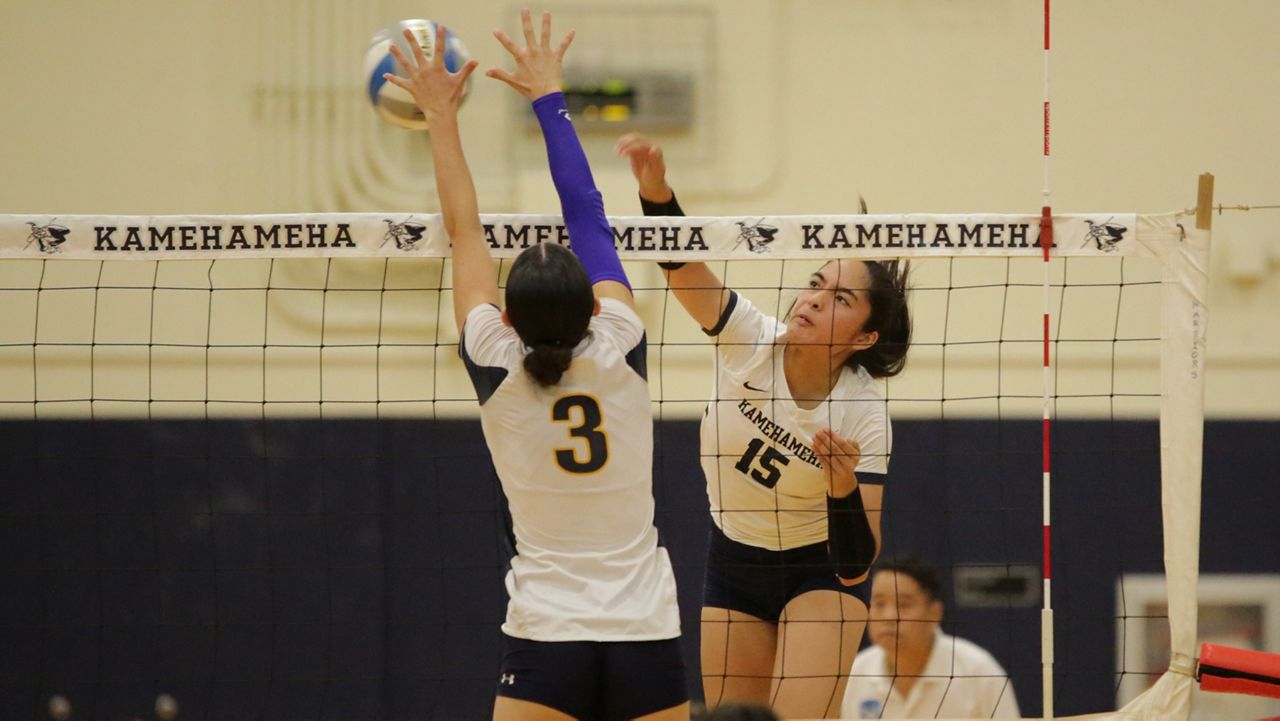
<point>795,446</point>
<point>592,628</point>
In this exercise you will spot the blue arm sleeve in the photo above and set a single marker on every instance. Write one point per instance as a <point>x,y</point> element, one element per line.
<point>590,236</point>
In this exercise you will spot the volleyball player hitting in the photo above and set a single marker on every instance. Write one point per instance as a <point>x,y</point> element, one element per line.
<point>592,628</point>
<point>795,447</point>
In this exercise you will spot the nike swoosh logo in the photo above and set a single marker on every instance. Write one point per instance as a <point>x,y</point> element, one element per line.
<point>564,112</point>
<point>750,387</point>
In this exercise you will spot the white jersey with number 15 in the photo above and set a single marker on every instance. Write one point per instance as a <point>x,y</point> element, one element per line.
<point>765,484</point>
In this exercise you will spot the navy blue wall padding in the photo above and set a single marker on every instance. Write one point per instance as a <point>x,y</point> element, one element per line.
<point>353,568</point>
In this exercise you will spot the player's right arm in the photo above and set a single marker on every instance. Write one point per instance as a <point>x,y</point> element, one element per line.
<point>695,285</point>
<point>437,92</point>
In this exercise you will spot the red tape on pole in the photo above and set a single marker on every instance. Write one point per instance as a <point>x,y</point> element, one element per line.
<point>1237,670</point>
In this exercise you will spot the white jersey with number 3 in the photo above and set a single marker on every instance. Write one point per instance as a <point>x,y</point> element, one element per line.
<point>576,463</point>
<point>766,486</point>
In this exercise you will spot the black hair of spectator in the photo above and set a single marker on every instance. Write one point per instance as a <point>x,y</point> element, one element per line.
<point>922,572</point>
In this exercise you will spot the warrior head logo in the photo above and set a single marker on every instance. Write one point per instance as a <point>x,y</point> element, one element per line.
<point>406,234</point>
<point>757,235</point>
<point>47,236</point>
<point>1105,235</point>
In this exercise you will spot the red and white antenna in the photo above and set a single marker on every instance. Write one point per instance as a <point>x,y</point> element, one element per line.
<point>1046,242</point>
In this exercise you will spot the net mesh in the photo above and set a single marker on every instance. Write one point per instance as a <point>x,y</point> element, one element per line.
<point>260,485</point>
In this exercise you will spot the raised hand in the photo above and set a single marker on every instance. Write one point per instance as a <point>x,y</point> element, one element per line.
<point>537,65</point>
<point>647,165</point>
<point>840,457</point>
<point>436,90</point>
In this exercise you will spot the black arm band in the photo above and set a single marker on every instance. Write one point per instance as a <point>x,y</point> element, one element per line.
<point>671,207</point>
<point>850,542</point>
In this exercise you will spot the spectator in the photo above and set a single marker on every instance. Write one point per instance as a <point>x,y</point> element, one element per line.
<point>914,670</point>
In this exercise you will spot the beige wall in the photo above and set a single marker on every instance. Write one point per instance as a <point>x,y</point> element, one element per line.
<point>242,106</point>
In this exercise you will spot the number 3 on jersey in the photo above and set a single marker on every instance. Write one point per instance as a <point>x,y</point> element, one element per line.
<point>769,478</point>
<point>588,420</point>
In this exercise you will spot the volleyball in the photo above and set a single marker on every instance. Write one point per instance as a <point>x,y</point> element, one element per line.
<point>393,103</point>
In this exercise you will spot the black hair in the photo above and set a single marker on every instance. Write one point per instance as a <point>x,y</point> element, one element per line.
<point>921,572</point>
<point>549,304</point>
<point>889,317</point>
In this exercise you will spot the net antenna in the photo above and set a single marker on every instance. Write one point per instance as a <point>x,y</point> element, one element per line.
<point>1046,245</point>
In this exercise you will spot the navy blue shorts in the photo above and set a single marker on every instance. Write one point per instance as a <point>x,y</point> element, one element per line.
<point>760,582</point>
<point>606,681</point>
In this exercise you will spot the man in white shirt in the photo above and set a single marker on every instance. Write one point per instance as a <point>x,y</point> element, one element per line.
<point>914,670</point>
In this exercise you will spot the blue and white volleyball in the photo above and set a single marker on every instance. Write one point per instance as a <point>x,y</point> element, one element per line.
<point>393,103</point>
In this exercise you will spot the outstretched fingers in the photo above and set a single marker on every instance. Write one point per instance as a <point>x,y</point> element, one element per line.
<point>400,58</point>
<point>507,43</point>
<point>538,65</point>
<point>421,57</point>
<point>398,81</point>
<point>564,44</point>
<point>465,71</point>
<point>433,86</point>
<point>506,77</point>
<point>526,24</point>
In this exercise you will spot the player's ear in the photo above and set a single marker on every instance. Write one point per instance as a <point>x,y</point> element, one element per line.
<point>506,319</point>
<point>595,310</point>
<point>865,339</point>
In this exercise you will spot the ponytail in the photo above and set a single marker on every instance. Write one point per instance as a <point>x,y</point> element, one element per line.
<point>890,318</point>
<point>546,362</point>
<point>549,304</point>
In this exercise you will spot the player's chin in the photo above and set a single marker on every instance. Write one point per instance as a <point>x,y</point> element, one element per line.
<point>807,335</point>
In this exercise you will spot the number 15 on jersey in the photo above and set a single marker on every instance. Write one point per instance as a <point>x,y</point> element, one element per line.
<point>762,469</point>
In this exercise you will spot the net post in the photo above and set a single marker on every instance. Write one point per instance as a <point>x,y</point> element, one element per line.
<point>1204,202</point>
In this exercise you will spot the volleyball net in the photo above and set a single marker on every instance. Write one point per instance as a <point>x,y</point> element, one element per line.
<point>242,464</point>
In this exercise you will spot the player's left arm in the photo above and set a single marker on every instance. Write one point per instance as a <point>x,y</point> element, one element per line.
<point>853,508</point>
<point>538,77</point>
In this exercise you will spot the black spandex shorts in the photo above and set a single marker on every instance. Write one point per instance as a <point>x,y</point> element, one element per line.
<point>759,582</point>
<point>605,681</point>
